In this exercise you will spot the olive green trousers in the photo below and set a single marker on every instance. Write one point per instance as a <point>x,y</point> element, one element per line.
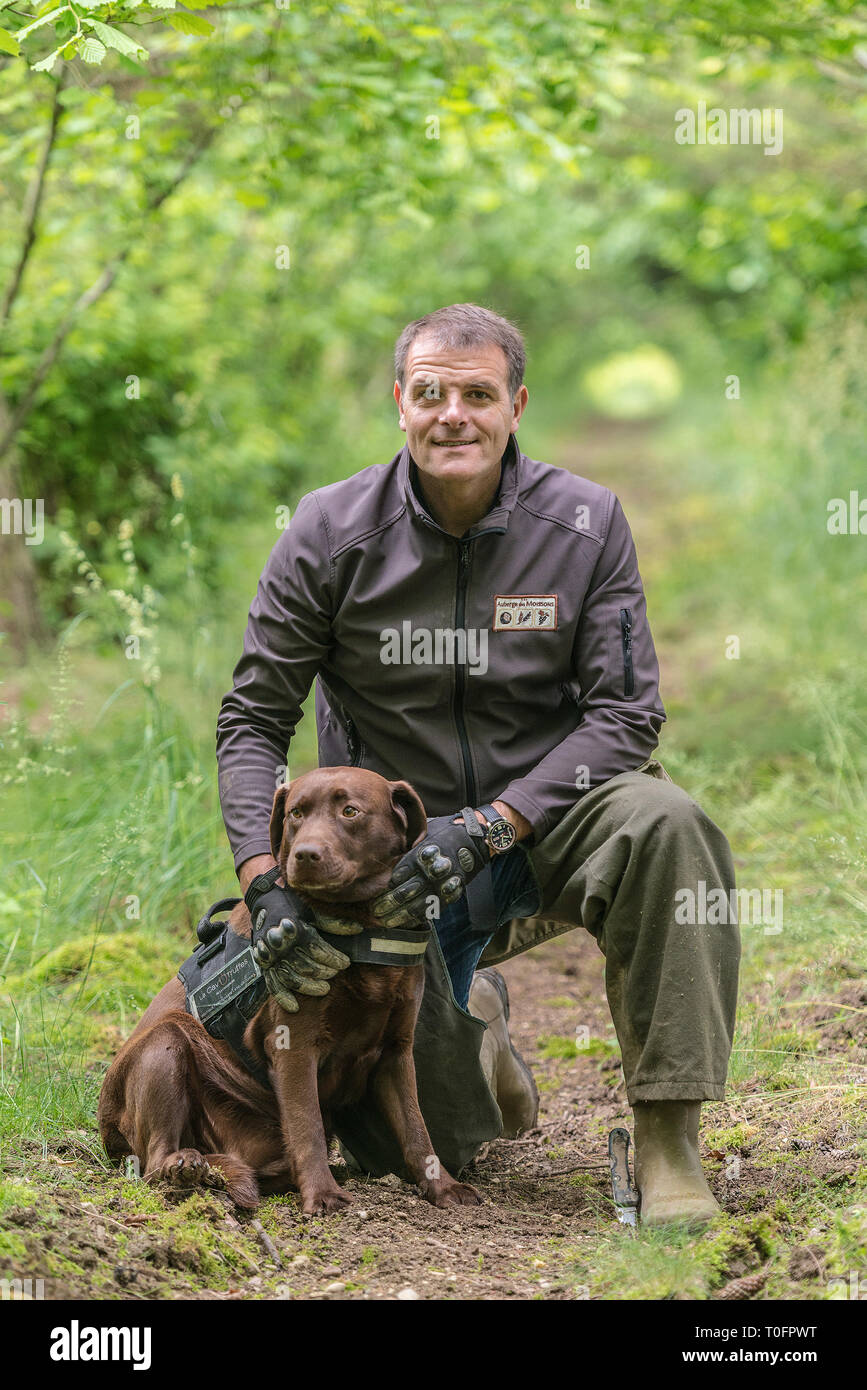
<point>618,864</point>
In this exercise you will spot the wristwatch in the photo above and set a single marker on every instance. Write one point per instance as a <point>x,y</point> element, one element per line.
<point>500,835</point>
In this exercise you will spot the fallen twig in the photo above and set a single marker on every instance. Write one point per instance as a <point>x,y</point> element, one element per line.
<point>266,1241</point>
<point>821,1003</point>
<point>558,1172</point>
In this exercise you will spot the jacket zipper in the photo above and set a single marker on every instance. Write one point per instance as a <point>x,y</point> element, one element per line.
<point>626,638</point>
<point>461,672</point>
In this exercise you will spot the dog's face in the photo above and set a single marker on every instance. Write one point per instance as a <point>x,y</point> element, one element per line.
<point>338,832</point>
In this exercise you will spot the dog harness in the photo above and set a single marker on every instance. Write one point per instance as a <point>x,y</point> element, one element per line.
<point>224,986</point>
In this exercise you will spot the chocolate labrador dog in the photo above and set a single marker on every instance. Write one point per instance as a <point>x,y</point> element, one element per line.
<point>182,1101</point>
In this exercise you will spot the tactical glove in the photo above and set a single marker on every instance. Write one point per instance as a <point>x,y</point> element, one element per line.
<point>439,866</point>
<point>290,951</point>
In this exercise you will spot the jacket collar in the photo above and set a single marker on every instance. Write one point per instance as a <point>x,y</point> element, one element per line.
<point>496,519</point>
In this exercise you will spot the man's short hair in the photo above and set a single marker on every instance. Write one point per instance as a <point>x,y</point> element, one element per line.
<point>461,326</point>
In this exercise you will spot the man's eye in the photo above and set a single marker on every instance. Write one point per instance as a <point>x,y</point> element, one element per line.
<point>350,810</point>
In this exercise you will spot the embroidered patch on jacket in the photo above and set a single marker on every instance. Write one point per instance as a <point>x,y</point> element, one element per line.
<point>525,612</point>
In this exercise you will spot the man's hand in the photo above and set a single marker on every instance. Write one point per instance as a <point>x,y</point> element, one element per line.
<point>291,953</point>
<point>439,866</point>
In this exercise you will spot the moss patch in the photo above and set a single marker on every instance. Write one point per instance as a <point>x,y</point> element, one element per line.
<point>555,1045</point>
<point>135,964</point>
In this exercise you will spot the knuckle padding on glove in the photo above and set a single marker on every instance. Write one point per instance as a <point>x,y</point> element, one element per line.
<point>441,866</point>
<point>316,969</point>
<point>288,977</point>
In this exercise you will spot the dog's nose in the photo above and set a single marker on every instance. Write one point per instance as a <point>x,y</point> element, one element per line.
<point>306,854</point>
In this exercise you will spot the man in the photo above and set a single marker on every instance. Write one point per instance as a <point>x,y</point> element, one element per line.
<point>475,622</point>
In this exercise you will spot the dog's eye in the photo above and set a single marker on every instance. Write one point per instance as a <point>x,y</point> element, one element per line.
<point>295,813</point>
<point>350,811</point>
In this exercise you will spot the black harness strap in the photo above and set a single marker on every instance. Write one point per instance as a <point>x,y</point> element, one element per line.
<point>395,946</point>
<point>224,986</point>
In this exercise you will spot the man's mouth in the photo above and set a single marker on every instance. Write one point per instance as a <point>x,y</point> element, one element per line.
<point>454,443</point>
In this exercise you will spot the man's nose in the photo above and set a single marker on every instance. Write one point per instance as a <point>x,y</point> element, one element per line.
<point>453,408</point>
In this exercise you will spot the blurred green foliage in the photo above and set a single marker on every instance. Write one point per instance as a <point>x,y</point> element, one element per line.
<point>354,166</point>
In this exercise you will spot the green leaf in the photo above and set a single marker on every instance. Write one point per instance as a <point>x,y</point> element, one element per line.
<point>113,38</point>
<point>8,43</point>
<point>91,50</point>
<point>163,4</point>
<point>38,23</point>
<point>46,64</point>
<point>187,23</point>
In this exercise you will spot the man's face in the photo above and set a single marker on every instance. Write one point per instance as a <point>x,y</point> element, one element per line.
<point>456,410</point>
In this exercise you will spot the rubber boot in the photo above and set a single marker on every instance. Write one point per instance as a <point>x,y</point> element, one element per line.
<point>668,1170</point>
<point>505,1070</point>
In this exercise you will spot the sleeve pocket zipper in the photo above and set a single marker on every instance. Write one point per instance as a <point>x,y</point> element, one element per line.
<point>626,640</point>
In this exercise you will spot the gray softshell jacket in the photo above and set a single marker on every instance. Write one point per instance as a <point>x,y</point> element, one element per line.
<point>512,663</point>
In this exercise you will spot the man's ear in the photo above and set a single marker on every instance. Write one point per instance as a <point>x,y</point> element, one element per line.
<point>410,812</point>
<point>278,815</point>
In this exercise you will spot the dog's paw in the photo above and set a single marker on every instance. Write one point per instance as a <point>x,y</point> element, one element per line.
<point>323,1202</point>
<point>186,1168</point>
<point>455,1194</point>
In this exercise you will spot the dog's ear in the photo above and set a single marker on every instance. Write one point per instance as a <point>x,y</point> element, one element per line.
<point>410,812</point>
<point>278,815</point>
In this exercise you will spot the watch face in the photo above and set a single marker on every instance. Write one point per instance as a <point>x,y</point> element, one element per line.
<point>501,836</point>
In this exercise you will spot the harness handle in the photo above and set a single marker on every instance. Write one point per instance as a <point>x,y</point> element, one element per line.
<point>207,930</point>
